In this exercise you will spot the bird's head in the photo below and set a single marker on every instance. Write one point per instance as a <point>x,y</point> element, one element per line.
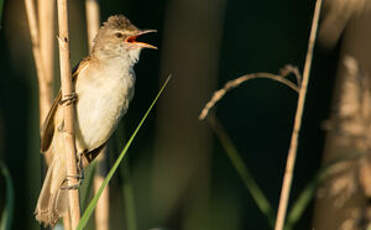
<point>118,38</point>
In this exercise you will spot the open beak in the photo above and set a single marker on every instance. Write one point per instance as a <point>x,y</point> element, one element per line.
<point>132,39</point>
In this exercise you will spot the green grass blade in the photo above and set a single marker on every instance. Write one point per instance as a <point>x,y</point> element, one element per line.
<point>88,188</point>
<point>89,210</point>
<point>7,216</point>
<point>302,203</point>
<point>247,178</point>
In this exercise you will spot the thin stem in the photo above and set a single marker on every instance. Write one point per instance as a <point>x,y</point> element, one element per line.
<point>287,180</point>
<point>67,90</point>
<point>218,95</point>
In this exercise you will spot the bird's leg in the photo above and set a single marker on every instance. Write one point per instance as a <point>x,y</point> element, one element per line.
<point>79,176</point>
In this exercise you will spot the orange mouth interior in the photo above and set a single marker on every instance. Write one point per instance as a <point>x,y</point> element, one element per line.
<point>133,40</point>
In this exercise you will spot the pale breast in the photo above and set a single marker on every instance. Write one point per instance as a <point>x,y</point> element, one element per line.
<point>103,97</point>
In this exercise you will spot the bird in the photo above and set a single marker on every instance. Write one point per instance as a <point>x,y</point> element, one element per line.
<point>104,86</point>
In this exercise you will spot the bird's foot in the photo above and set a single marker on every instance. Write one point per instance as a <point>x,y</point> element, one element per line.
<point>79,177</point>
<point>68,99</point>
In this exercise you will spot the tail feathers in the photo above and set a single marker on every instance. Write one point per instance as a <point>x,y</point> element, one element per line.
<point>52,203</point>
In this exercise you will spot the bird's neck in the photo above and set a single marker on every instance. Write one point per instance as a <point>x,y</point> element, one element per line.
<point>133,55</point>
<point>128,58</point>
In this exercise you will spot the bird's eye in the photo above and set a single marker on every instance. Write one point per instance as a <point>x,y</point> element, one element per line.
<point>118,35</point>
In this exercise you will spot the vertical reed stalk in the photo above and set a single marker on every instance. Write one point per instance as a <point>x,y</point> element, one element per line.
<point>47,39</point>
<point>291,157</point>
<point>92,19</point>
<point>102,210</point>
<point>67,222</point>
<point>44,99</point>
<point>44,80</point>
<point>68,109</point>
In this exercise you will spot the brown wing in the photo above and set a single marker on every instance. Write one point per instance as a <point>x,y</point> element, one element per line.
<point>88,157</point>
<point>47,129</point>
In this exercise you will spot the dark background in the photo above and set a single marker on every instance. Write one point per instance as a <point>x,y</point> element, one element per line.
<point>255,36</point>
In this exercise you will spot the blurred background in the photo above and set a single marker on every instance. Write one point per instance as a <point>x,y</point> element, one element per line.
<point>177,174</point>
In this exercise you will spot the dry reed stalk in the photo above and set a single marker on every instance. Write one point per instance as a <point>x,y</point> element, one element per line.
<point>102,210</point>
<point>46,13</point>
<point>44,99</point>
<point>68,109</point>
<point>44,83</point>
<point>43,51</point>
<point>47,39</point>
<point>291,157</point>
<point>67,222</point>
<point>92,19</point>
<point>218,95</point>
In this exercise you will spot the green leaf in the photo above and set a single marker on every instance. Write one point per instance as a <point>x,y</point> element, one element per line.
<point>93,203</point>
<point>248,180</point>
<point>302,202</point>
<point>7,216</point>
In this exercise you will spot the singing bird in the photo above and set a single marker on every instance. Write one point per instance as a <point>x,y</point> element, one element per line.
<point>104,86</point>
